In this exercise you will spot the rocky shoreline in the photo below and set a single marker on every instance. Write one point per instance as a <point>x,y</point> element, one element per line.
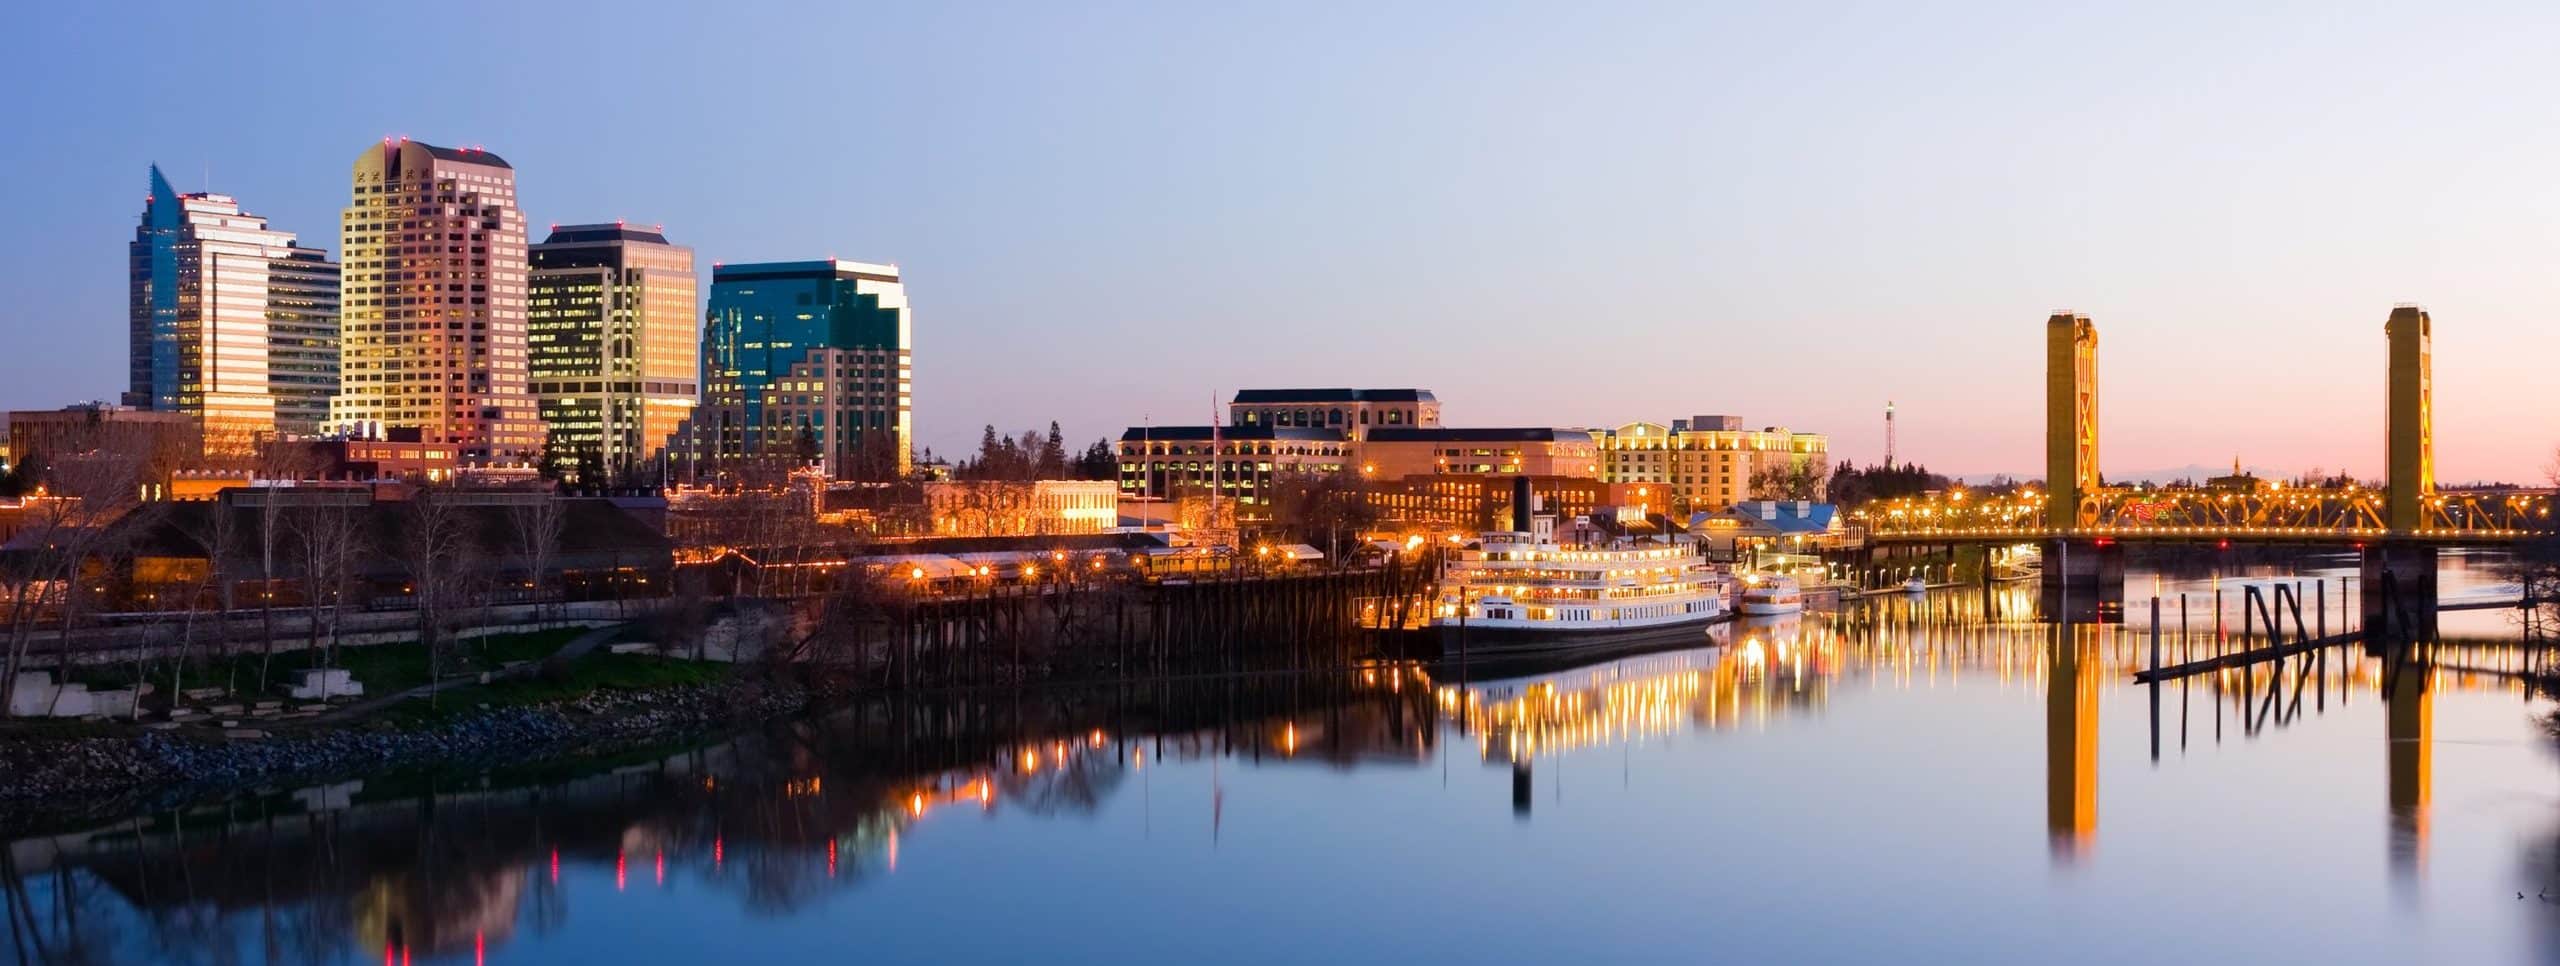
<point>58,782</point>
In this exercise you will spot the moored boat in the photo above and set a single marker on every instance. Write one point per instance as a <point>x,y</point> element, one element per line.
<point>1771,594</point>
<point>1512,594</point>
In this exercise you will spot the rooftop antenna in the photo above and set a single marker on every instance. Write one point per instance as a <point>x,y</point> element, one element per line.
<point>1888,434</point>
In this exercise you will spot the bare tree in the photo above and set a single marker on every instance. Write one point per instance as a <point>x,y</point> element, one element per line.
<point>1332,507</point>
<point>537,526</point>
<point>217,533</point>
<point>437,545</point>
<point>66,539</point>
<point>329,537</point>
<point>277,461</point>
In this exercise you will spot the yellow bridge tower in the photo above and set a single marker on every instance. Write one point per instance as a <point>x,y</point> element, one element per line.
<point>2410,441</point>
<point>2071,421</point>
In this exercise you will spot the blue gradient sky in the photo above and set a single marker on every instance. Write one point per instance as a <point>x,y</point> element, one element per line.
<point>1109,211</point>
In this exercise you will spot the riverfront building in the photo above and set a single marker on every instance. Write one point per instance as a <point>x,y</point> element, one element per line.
<point>1395,452</point>
<point>1239,464</point>
<point>157,444</point>
<point>1707,462</point>
<point>215,297</point>
<point>807,363</point>
<point>1452,501</point>
<point>1350,411</point>
<point>1382,435</point>
<point>609,331</point>
<point>1020,508</point>
<point>432,302</point>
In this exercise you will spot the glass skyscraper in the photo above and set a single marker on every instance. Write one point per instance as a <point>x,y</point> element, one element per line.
<point>610,329</point>
<point>302,339</point>
<point>208,285</point>
<point>807,363</point>
<point>432,302</point>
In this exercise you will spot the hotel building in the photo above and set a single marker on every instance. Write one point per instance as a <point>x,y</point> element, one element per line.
<point>807,362</point>
<point>213,290</point>
<point>609,331</point>
<point>1707,462</point>
<point>432,302</point>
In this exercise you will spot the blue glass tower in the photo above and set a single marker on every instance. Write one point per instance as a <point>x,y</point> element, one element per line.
<point>807,363</point>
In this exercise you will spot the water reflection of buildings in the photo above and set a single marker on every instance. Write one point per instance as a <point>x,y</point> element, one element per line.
<point>781,818</point>
<point>413,868</point>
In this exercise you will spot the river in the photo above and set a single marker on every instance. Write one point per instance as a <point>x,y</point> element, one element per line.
<point>1943,778</point>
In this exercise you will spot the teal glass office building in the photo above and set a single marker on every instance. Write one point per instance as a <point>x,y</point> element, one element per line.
<point>807,363</point>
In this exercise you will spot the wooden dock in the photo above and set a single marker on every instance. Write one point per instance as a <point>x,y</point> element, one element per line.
<point>2241,657</point>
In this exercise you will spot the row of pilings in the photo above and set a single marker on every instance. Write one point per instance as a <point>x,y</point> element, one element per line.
<point>1007,634</point>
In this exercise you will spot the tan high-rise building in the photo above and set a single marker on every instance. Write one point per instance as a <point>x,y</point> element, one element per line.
<point>206,285</point>
<point>432,302</point>
<point>610,321</point>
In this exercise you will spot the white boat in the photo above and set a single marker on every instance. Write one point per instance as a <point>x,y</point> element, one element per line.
<point>1512,594</point>
<point>1767,594</point>
<point>1915,585</point>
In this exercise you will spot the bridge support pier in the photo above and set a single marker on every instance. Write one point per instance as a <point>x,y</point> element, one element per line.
<point>2412,568</point>
<point>2083,580</point>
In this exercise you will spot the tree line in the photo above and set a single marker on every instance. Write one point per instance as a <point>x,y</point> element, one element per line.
<point>1034,456</point>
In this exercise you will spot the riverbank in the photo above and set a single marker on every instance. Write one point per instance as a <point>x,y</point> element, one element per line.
<point>48,782</point>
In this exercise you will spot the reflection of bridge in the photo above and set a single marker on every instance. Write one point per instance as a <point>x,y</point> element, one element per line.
<point>2085,523</point>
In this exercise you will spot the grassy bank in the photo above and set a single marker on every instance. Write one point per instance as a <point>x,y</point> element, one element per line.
<point>387,669</point>
<point>597,671</point>
<point>382,668</point>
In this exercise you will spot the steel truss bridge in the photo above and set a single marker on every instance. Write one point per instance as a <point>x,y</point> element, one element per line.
<point>2075,505</point>
<point>2271,515</point>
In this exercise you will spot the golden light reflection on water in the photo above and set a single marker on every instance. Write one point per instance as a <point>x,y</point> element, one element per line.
<point>794,825</point>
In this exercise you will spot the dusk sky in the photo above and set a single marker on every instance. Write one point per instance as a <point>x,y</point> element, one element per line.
<point>1549,215</point>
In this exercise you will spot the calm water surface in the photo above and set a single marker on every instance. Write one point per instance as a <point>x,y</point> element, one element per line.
<point>1941,779</point>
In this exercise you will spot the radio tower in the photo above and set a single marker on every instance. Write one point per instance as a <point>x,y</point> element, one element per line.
<point>1888,434</point>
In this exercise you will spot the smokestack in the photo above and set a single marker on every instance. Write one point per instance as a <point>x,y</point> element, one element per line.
<point>1520,504</point>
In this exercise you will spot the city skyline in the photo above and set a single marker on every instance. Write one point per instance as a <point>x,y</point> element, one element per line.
<point>2259,193</point>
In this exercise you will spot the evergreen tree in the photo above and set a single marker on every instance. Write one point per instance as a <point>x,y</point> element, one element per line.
<point>1053,455</point>
<point>24,477</point>
<point>1098,462</point>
